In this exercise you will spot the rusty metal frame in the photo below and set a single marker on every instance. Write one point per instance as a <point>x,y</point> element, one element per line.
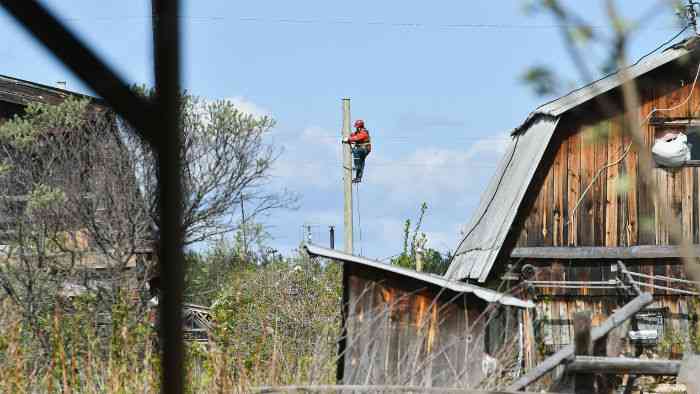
<point>158,123</point>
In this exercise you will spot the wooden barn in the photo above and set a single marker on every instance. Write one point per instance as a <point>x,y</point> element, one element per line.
<point>567,218</point>
<point>413,328</point>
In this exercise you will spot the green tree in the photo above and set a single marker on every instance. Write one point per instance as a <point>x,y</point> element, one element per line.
<point>415,241</point>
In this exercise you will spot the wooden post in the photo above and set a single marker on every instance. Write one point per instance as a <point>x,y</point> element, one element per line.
<point>583,346</point>
<point>347,179</point>
<point>557,358</point>
<point>348,247</point>
<point>419,259</point>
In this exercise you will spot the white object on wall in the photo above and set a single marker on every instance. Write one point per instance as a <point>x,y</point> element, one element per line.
<point>671,150</point>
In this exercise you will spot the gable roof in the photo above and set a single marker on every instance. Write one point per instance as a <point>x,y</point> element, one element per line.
<point>499,205</point>
<point>487,295</point>
<point>21,92</point>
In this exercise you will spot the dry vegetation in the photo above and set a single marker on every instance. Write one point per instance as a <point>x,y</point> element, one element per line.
<point>273,324</point>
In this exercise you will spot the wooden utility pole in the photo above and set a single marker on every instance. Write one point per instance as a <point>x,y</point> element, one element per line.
<point>347,179</point>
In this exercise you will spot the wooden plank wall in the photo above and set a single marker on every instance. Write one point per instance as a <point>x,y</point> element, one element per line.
<point>615,210</point>
<point>553,327</point>
<point>400,332</point>
<point>556,306</point>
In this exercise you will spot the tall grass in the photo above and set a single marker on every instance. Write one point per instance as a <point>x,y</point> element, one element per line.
<point>272,325</point>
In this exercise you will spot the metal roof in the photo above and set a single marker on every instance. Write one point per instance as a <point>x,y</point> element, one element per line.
<point>487,295</point>
<point>499,204</point>
<point>21,92</point>
<point>611,81</point>
<point>493,219</point>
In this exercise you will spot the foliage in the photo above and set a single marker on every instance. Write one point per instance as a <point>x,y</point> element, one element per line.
<point>70,202</point>
<point>542,80</point>
<point>274,323</point>
<point>281,318</point>
<point>89,356</point>
<point>227,164</point>
<point>414,242</point>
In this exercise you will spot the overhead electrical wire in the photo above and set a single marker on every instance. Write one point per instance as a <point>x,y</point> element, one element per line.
<point>351,22</point>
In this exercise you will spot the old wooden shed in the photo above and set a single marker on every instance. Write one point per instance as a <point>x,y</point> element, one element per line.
<point>414,328</point>
<point>567,203</point>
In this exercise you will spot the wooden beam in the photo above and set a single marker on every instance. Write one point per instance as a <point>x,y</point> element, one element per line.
<point>631,280</point>
<point>601,252</point>
<point>370,389</point>
<point>566,352</point>
<point>622,365</point>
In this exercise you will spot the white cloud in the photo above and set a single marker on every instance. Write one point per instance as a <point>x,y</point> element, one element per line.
<point>490,145</point>
<point>245,105</point>
<point>310,158</point>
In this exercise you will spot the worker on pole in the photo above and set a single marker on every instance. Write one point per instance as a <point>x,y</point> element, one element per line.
<point>361,146</point>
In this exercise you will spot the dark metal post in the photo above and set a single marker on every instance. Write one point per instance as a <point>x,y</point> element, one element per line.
<point>167,76</point>
<point>158,123</point>
<point>331,231</point>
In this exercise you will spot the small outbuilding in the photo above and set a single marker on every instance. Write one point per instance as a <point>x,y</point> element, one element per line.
<point>415,328</point>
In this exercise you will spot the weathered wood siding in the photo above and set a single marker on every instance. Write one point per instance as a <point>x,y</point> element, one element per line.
<point>585,167</point>
<point>556,306</point>
<point>615,211</point>
<point>401,332</point>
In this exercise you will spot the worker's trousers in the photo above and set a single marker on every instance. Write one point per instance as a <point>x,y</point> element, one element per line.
<point>359,153</point>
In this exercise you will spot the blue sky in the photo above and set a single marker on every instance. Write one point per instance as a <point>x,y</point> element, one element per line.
<point>438,96</point>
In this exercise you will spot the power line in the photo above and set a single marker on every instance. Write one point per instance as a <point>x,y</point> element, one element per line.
<point>350,22</point>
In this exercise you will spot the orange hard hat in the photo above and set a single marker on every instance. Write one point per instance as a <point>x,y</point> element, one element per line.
<point>359,123</point>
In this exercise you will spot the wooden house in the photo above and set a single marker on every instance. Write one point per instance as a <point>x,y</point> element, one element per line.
<point>15,96</point>
<point>568,203</point>
<point>414,328</point>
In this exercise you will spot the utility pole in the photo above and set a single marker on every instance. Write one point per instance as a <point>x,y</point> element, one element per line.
<point>331,231</point>
<point>347,179</point>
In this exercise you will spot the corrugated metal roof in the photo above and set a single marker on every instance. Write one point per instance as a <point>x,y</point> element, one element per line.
<point>497,210</point>
<point>487,295</point>
<point>609,82</point>
<point>499,204</point>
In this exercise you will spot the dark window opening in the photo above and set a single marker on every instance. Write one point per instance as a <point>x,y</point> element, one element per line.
<point>693,134</point>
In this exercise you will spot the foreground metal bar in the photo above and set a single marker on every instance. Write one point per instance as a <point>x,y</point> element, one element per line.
<point>169,140</point>
<point>622,365</point>
<point>83,62</point>
<point>564,353</point>
<point>144,116</point>
<point>371,389</point>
